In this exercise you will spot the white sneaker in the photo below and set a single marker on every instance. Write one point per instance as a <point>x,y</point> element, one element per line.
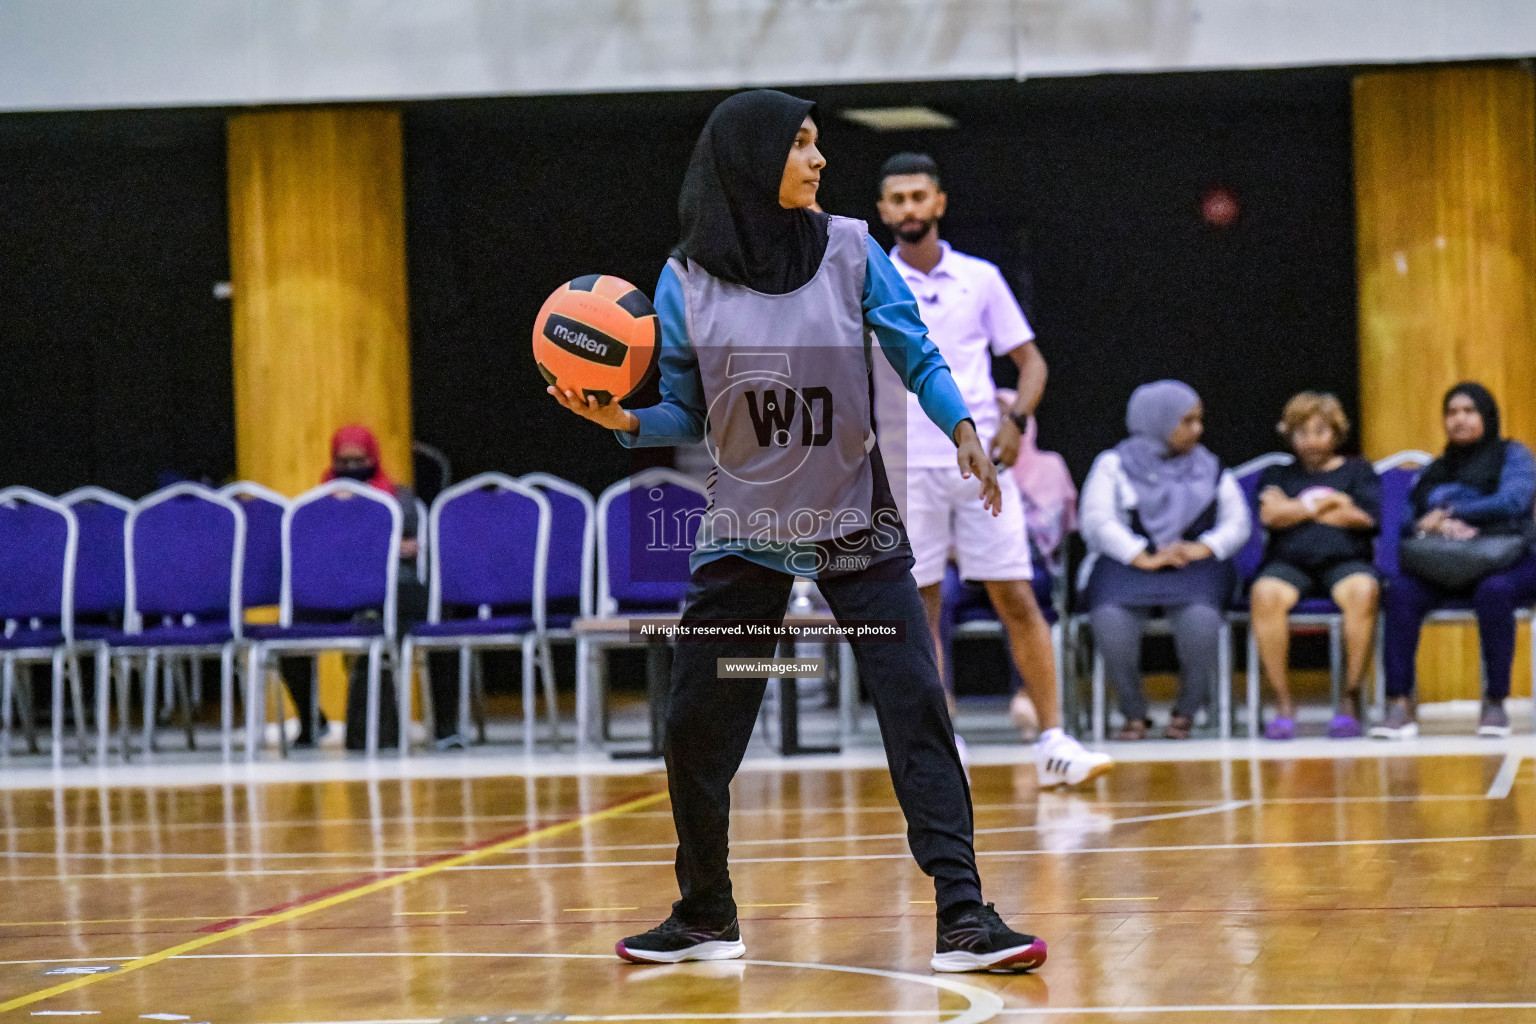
<point>1062,761</point>
<point>1398,725</point>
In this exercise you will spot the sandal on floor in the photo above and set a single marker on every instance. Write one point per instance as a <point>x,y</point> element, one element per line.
<point>1280,728</point>
<point>1179,728</point>
<point>1134,729</point>
<point>1345,726</point>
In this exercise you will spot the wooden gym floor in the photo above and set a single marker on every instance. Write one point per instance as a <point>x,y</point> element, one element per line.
<point>1367,888</point>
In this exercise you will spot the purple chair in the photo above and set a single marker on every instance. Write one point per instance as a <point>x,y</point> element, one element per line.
<point>38,542</point>
<point>492,538</point>
<point>261,575</point>
<point>341,544</point>
<point>101,593</point>
<point>569,569</point>
<point>645,532</point>
<point>186,552</point>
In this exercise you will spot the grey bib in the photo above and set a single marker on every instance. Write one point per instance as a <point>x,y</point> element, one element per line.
<point>786,379</point>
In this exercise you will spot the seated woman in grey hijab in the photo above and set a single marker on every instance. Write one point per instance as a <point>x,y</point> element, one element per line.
<point>1162,520</point>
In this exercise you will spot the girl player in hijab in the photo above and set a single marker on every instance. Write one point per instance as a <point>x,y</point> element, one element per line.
<point>765,308</point>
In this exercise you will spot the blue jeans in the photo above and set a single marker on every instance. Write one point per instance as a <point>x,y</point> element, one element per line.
<point>1494,600</point>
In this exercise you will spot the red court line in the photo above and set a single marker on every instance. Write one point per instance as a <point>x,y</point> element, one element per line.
<point>368,879</point>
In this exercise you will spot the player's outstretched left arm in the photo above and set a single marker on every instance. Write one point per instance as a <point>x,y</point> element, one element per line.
<point>974,462</point>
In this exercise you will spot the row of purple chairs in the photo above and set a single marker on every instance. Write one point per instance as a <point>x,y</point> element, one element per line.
<point>177,571</point>
<point>171,586</point>
<point>504,552</point>
<point>515,563</point>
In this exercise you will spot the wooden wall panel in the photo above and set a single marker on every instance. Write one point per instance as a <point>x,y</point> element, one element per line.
<point>1445,188</point>
<point>321,335</point>
<point>317,255</point>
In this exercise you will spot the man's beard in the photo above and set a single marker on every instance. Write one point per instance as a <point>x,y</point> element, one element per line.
<point>912,235</point>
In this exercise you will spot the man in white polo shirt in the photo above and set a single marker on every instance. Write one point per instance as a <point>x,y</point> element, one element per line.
<point>971,316</point>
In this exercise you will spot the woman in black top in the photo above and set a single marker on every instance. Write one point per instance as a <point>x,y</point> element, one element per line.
<point>1321,512</point>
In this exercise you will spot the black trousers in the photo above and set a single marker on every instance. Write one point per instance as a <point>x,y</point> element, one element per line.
<point>710,722</point>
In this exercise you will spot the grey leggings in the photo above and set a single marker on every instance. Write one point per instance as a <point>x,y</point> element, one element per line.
<point>1196,628</point>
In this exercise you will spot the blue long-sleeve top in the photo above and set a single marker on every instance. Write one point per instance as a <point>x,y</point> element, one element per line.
<point>1513,502</point>
<point>889,309</point>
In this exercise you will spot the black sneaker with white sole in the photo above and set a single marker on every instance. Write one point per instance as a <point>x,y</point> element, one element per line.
<point>674,941</point>
<point>978,940</point>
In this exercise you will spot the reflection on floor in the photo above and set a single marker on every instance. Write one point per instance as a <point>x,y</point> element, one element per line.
<point>1320,881</point>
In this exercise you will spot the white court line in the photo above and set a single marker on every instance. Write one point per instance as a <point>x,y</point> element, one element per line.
<point>1231,805</point>
<point>1505,780</point>
<point>760,1015</point>
<point>364,855</point>
<point>68,960</point>
<point>984,1005</point>
<point>1183,848</point>
<point>205,774</point>
<point>1010,1011</point>
<point>743,812</point>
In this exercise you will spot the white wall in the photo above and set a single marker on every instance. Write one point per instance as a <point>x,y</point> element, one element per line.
<point>59,54</point>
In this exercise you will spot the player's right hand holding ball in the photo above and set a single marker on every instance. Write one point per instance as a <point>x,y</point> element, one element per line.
<point>611,415</point>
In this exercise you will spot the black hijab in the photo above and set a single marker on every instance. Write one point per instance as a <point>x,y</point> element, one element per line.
<point>733,225</point>
<point>1479,464</point>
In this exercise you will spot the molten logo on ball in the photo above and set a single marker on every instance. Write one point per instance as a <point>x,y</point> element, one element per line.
<point>579,339</point>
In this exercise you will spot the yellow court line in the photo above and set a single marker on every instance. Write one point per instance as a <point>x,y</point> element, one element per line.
<point>1115,899</point>
<point>573,910</point>
<point>773,904</point>
<point>336,899</point>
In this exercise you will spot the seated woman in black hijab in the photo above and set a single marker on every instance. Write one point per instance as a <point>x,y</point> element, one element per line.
<point>765,309</point>
<point>1482,484</point>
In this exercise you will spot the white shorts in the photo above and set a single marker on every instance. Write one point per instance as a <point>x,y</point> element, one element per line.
<point>942,511</point>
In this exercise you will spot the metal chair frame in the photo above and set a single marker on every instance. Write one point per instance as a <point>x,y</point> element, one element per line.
<point>377,648</point>
<point>532,644</point>
<point>133,625</point>
<point>588,573</point>
<point>100,649</point>
<point>591,688</point>
<point>57,656</point>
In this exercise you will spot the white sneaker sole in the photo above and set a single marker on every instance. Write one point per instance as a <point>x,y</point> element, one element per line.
<point>715,950</point>
<point>1497,732</point>
<point>1018,958</point>
<point>1407,732</point>
<point>1051,779</point>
